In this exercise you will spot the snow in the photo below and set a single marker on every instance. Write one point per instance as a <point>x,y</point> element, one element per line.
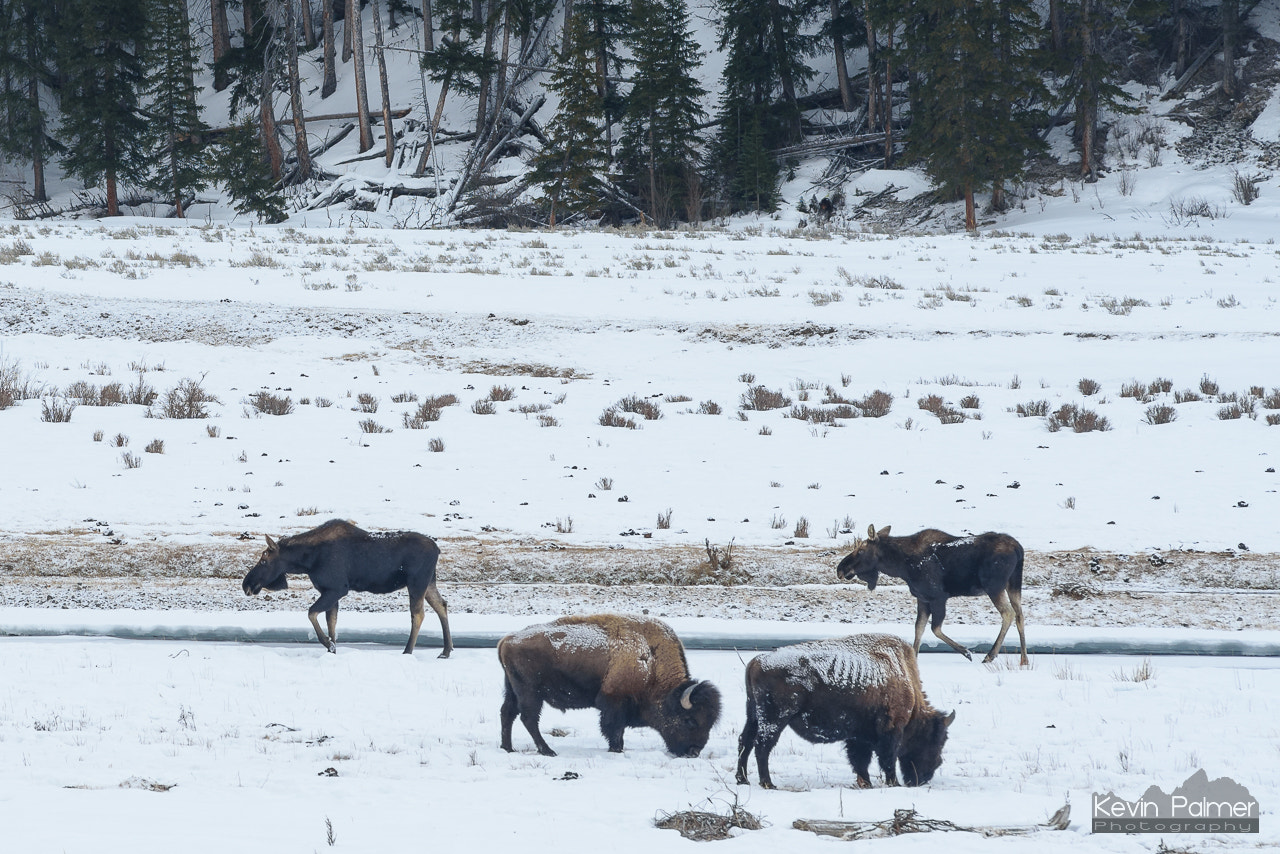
<point>198,727</point>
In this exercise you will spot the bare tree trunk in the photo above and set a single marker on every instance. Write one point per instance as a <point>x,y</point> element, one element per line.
<point>39,192</point>
<point>1087,100</point>
<point>348,22</point>
<point>970,212</point>
<point>428,31</point>
<point>113,195</point>
<point>1181,26</point>
<point>308,25</point>
<point>221,31</point>
<point>1230,26</point>
<point>482,101</point>
<point>387,130</point>
<point>1057,35</point>
<point>301,149</point>
<point>873,85</point>
<point>842,68</point>
<point>362,88</point>
<point>888,101</point>
<point>330,84</point>
<point>569,12</point>
<point>266,110</point>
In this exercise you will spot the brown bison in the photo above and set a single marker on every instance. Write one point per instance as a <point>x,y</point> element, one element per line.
<point>340,557</point>
<point>863,690</point>
<point>632,669</point>
<point>936,566</point>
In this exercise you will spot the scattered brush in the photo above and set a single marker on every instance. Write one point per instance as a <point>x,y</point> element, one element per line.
<point>1160,413</point>
<point>613,418</point>
<point>501,393</point>
<point>642,406</point>
<point>760,398</point>
<point>875,405</point>
<point>1088,387</point>
<point>703,826</point>
<point>1032,409</point>
<point>1078,419</point>
<point>56,410</point>
<point>266,403</point>
<point>1078,590</point>
<point>188,399</point>
<point>484,406</point>
<point>155,446</point>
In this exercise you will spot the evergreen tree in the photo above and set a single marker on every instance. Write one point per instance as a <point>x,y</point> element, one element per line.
<point>244,167</point>
<point>1098,25</point>
<point>764,69</point>
<point>570,165</point>
<point>660,126</point>
<point>102,124</point>
<point>26,58</point>
<point>974,59</point>
<point>180,169</point>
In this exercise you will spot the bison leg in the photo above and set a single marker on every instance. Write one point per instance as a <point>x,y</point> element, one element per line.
<point>328,602</point>
<point>887,755</point>
<point>859,753</point>
<point>613,723</point>
<point>746,740</point>
<point>766,740</point>
<point>1001,601</point>
<point>510,708</point>
<point>530,713</point>
<point>938,610</point>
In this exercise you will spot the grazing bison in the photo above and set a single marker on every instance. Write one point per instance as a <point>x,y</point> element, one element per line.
<point>632,669</point>
<point>863,690</point>
<point>937,566</point>
<point>340,557</point>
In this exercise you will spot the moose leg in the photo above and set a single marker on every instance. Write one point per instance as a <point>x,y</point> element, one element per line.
<point>938,610</point>
<point>1001,601</point>
<point>328,602</point>
<point>415,622</point>
<point>859,753</point>
<point>331,620</point>
<point>1015,599</point>
<point>922,620</point>
<point>437,603</point>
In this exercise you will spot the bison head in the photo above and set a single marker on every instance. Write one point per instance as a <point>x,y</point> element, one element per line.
<point>687,715</point>
<point>863,562</point>
<point>921,750</point>
<point>268,573</point>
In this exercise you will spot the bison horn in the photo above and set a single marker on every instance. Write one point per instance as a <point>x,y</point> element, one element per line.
<point>950,719</point>
<point>686,699</point>
<point>271,544</point>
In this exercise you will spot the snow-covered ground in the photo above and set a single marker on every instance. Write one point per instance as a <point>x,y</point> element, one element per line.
<point>117,746</point>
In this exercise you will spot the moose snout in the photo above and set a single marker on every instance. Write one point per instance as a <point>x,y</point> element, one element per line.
<point>251,588</point>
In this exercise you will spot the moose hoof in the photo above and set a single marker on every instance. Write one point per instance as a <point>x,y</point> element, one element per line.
<point>546,751</point>
<point>767,784</point>
<point>444,654</point>
<point>988,659</point>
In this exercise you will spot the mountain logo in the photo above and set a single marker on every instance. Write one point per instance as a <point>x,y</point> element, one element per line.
<point>1199,805</point>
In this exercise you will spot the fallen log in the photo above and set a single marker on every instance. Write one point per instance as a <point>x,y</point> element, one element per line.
<point>908,821</point>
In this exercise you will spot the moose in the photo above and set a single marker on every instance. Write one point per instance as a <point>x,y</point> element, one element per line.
<point>340,557</point>
<point>863,690</point>
<point>937,566</point>
<point>632,669</point>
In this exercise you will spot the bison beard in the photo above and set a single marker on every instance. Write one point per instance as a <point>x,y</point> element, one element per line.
<point>633,670</point>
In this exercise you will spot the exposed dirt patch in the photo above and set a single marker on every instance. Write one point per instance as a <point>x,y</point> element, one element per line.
<point>1218,590</point>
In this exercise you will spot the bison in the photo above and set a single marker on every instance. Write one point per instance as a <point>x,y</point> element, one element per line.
<point>632,669</point>
<point>937,566</point>
<point>863,690</point>
<point>340,557</point>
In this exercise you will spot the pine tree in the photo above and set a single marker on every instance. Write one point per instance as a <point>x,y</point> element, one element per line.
<point>969,124</point>
<point>1096,21</point>
<point>659,144</point>
<point>180,168</point>
<point>102,124</point>
<point>764,68</point>
<point>245,169</point>
<point>26,58</point>
<point>569,166</point>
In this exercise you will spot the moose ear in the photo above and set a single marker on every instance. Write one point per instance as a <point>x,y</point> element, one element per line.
<point>950,719</point>
<point>271,544</point>
<point>871,532</point>
<point>883,532</point>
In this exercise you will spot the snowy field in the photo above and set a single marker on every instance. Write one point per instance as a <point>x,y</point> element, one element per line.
<point>115,746</point>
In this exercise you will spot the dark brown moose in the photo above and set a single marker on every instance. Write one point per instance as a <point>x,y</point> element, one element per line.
<point>863,690</point>
<point>937,566</point>
<point>340,557</point>
<point>632,669</point>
